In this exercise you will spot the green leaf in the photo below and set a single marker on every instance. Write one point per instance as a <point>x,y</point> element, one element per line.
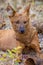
<point>2,59</point>
<point>10,54</point>
<point>4,55</point>
<point>16,63</point>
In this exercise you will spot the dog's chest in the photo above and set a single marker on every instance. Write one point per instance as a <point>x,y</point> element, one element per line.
<point>25,39</point>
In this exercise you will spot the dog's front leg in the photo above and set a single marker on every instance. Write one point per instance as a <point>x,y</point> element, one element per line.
<point>35,43</point>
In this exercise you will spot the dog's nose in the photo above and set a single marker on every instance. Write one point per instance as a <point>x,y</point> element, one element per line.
<point>22,30</point>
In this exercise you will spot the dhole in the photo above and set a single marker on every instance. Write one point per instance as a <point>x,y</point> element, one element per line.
<point>24,33</point>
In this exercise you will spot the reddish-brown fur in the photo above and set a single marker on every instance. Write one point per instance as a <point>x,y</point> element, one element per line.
<point>7,40</point>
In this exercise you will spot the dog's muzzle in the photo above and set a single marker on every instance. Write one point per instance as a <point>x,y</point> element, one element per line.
<point>21,30</point>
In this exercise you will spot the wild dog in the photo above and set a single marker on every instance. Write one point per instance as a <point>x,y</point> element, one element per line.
<point>24,31</point>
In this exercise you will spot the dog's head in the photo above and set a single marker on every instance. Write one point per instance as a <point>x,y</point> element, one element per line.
<point>20,20</point>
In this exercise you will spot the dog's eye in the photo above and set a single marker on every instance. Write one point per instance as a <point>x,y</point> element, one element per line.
<point>17,22</point>
<point>24,22</point>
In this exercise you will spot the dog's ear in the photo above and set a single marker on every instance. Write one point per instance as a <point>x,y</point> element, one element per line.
<point>12,17</point>
<point>13,14</point>
<point>10,10</point>
<point>27,9</point>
